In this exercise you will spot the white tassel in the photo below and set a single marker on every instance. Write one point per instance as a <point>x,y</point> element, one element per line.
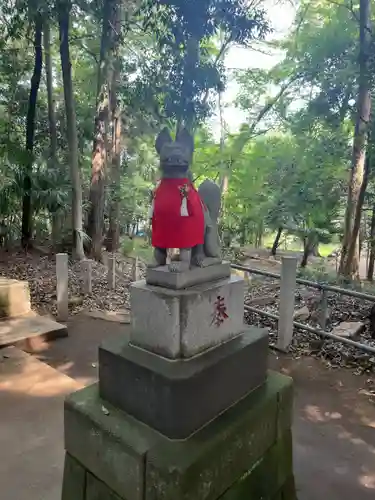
<point>184,208</point>
<point>151,210</point>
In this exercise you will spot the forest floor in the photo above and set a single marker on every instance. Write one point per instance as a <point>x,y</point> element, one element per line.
<point>39,270</point>
<point>264,293</point>
<point>333,430</point>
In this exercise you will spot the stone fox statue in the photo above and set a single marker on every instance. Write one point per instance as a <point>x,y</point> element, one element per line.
<point>183,217</point>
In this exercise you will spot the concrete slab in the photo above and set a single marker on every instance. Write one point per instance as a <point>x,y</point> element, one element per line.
<point>31,427</point>
<point>122,317</point>
<point>349,329</point>
<point>20,329</point>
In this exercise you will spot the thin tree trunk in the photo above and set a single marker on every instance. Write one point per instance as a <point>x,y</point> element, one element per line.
<point>315,250</point>
<point>100,145</point>
<point>51,122</point>
<point>308,245</point>
<point>64,8</point>
<point>27,212</point>
<point>224,173</point>
<point>51,103</point>
<point>258,235</point>
<point>306,254</point>
<point>371,264</point>
<point>243,235</point>
<point>352,263</point>
<point>113,237</point>
<point>349,260</point>
<point>276,242</point>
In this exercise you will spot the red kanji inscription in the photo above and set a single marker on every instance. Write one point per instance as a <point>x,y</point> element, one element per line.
<point>220,313</point>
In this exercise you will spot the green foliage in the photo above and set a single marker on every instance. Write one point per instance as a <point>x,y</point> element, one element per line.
<point>285,168</point>
<point>127,246</point>
<point>187,59</point>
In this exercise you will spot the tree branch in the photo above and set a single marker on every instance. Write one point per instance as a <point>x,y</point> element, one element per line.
<point>245,136</point>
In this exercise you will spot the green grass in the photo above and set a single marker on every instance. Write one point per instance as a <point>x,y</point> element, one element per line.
<point>296,246</point>
<point>327,249</point>
<point>136,247</point>
<point>139,247</point>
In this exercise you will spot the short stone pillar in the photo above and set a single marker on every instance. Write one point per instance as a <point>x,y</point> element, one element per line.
<point>185,408</point>
<point>287,301</point>
<point>87,276</point>
<point>135,269</point>
<point>62,282</point>
<point>112,272</point>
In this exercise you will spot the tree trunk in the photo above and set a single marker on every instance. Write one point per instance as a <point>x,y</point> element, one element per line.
<point>51,103</point>
<point>30,133</point>
<point>315,250</point>
<point>259,235</point>
<point>353,253</point>
<point>53,162</point>
<point>306,254</point>
<point>308,246</point>
<point>349,260</point>
<point>100,145</point>
<point>113,237</point>
<point>243,235</point>
<point>371,264</point>
<point>276,243</point>
<point>64,8</point>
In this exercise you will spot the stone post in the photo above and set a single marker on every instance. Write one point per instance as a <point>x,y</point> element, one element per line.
<point>135,269</point>
<point>323,313</point>
<point>62,286</point>
<point>286,307</point>
<point>87,276</point>
<point>111,272</point>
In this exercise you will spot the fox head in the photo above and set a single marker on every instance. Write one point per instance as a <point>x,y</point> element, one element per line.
<point>175,156</point>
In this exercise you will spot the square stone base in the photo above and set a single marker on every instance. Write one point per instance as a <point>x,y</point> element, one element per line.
<point>162,276</point>
<point>183,323</point>
<point>179,397</point>
<point>243,454</point>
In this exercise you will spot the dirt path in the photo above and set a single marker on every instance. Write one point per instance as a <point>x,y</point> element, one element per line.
<point>334,423</point>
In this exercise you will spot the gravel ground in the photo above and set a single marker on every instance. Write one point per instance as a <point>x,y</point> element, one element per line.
<point>39,271</point>
<point>341,309</point>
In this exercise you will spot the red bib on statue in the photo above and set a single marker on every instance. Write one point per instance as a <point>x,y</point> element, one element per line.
<point>177,219</point>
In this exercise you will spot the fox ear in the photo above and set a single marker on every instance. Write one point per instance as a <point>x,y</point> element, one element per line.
<point>163,138</point>
<point>185,139</point>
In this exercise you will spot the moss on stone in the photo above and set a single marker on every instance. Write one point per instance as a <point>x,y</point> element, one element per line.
<point>74,481</point>
<point>134,462</point>
<point>97,490</point>
<point>268,475</point>
<point>208,463</point>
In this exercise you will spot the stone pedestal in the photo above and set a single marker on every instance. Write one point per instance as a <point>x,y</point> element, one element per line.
<point>186,410</point>
<point>246,452</point>
<point>177,397</point>
<point>182,323</point>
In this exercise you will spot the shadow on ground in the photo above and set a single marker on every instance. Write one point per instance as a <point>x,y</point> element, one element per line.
<point>334,424</point>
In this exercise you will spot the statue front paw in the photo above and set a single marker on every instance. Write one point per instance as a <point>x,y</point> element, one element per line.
<point>160,258</point>
<point>199,260</point>
<point>179,267</point>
